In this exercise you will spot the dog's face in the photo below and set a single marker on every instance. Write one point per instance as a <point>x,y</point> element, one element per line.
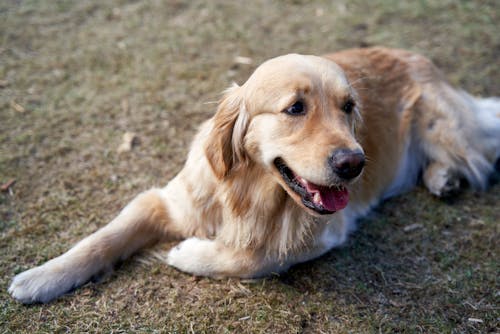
<point>295,117</point>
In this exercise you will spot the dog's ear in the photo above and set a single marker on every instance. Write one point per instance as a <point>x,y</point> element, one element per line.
<point>224,147</point>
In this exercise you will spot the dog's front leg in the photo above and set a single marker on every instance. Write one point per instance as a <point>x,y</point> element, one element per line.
<point>203,257</point>
<point>141,222</point>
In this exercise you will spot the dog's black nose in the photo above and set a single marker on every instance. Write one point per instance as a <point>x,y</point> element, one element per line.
<point>347,164</point>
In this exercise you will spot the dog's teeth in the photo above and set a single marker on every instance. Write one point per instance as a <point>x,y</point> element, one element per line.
<point>317,198</point>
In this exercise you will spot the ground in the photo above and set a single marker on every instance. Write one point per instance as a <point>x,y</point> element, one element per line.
<point>76,75</point>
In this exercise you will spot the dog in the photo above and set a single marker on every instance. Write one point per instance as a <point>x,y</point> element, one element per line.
<point>289,161</point>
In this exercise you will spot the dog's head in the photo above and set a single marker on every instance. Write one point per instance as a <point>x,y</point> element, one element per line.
<point>295,117</point>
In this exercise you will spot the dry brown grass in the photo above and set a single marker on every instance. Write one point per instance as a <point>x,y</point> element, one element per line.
<point>86,72</point>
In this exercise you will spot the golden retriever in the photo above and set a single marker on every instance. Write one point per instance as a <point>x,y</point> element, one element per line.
<point>287,164</point>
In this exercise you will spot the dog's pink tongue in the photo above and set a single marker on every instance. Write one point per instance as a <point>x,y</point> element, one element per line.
<point>332,199</point>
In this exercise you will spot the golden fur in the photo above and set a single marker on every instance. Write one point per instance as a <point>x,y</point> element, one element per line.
<point>236,202</point>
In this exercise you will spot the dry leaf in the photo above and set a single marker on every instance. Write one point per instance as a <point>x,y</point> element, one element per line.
<point>242,60</point>
<point>129,140</point>
<point>412,227</point>
<point>476,320</point>
<point>7,185</point>
<point>17,107</point>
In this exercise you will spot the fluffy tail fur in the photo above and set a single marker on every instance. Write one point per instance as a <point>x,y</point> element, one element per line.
<point>482,137</point>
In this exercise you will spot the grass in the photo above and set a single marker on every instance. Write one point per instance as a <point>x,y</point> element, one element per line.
<point>86,72</point>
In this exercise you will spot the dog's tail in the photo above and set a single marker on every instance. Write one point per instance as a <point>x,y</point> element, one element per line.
<point>483,138</point>
<point>488,112</point>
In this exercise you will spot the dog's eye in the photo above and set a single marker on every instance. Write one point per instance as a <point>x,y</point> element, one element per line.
<point>296,109</point>
<point>348,107</point>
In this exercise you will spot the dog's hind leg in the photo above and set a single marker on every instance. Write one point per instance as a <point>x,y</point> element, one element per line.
<point>459,135</point>
<point>440,179</point>
<point>143,221</point>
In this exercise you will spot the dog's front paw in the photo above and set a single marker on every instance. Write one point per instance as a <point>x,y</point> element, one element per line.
<point>193,256</point>
<point>41,284</point>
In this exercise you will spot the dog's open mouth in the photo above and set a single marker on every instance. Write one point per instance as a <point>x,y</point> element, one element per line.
<point>321,199</point>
